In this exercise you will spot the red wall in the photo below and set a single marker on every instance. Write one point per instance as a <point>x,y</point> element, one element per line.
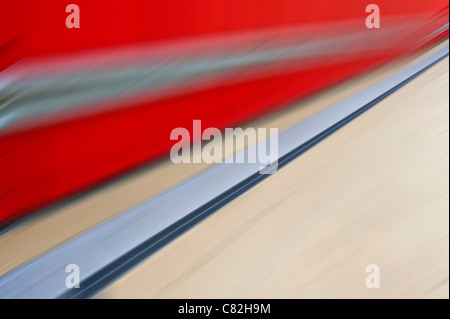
<point>45,164</point>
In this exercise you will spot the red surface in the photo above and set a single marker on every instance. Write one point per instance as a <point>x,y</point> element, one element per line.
<point>43,165</point>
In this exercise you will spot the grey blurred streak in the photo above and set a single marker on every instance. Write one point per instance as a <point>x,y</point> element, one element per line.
<point>28,100</point>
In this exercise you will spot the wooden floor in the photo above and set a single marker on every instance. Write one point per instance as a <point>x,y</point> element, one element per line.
<point>375,192</point>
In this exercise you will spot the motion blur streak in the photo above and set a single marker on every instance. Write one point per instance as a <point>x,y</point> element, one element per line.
<point>63,222</point>
<point>376,191</point>
<point>80,107</point>
<point>115,246</point>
